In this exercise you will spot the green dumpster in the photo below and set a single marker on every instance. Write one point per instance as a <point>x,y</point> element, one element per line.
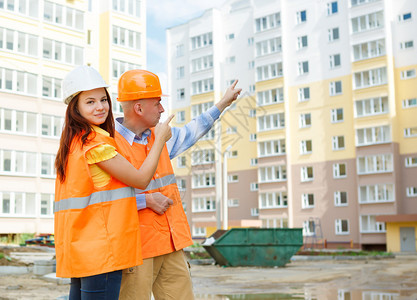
<point>265,247</point>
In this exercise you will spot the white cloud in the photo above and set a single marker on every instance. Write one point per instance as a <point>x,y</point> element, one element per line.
<point>173,12</point>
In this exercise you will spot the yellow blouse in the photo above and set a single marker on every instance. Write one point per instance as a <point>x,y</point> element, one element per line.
<point>97,154</point>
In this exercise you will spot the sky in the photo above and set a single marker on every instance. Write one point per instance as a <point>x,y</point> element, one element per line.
<point>162,14</point>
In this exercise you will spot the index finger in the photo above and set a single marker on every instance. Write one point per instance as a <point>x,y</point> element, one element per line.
<point>169,119</point>
<point>234,83</point>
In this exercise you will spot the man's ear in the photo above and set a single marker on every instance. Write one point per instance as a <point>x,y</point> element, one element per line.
<point>138,108</point>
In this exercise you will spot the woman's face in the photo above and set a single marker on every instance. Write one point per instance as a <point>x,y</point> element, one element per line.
<point>93,106</point>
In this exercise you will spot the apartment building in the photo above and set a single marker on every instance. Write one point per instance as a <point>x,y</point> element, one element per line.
<point>324,132</point>
<point>40,41</point>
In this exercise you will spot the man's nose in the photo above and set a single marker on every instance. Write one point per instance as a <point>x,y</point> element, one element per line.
<point>161,108</point>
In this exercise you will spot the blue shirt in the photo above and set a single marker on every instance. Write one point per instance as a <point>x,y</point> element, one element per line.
<point>182,138</point>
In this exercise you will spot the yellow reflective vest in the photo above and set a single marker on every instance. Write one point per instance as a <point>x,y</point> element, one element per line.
<point>96,229</point>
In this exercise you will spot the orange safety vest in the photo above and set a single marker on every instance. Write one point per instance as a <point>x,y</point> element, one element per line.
<point>160,234</point>
<point>96,229</point>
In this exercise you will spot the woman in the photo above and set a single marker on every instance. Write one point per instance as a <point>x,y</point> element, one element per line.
<point>96,222</point>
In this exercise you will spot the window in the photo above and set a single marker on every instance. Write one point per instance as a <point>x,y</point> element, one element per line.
<point>305,120</point>
<point>18,82</point>
<point>252,113</point>
<point>407,45</point>
<point>253,161</point>
<point>268,46</point>
<point>375,164</point>
<point>335,88</point>
<point>269,71</point>
<point>202,63</point>
<point>181,162</point>
<point>254,212</point>
<point>252,88</point>
<point>273,200</point>
<point>334,61</point>
<point>202,86</point>
<point>410,132</point>
<point>18,122</point>
<point>333,34</point>
<point>268,22</point>
<point>303,94</point>
<point>63,15</point>
<point>373,135</point>
<point>376,193</point>
<point>339,170</point>
<point>18,204</point>
<point>302,42</point>
<point>180,72</point>
<point>270,96</point>
<point>332,8</point>
<point>28,7</point>
<point>203,180</point>
<point>230,36</point>
<point>250,41</point>
<point>51,88</point>
<point>369,50</point>
<point>126,38</point>
<point>367,22</point>
<point>309,228</point>
<point>411,191</point>
<point>340,198</point>
<point>233,154</point>
<point>199,231</point>
<point>302,67</point>
<point>307,174</point>
<point>47,202</point>
<point>341,227</point>
<point>201,204</point>
<point>411,162</point>
<point>251,65</point>
<point>360,2</point>
<point>20,42</point>
<point>47,165</point>
<point>271,148</point>
<point>301,17</point>
<point>233,202</point>
<point>337,115</point>
<point>306,147</point>
<point>252,137</point>
<point>271,122</point>
<point>130,7</point>
<point>182,184</point>
<point>272,174</point>
<point>201,41</point>
<point>307,201</point>
<point>179,50</point>
<point>410,103</point>
<point>274,223</point>
<point>52,126</point>
<point>119,67</point>
<point>198,109</point>
<point>254,186</point>
<point>181,116</point>
<point>233,178</point>
<point>180,94</point>
<point>405,17</point>
<point>368,224</point>
<point>407,74</point>
<point>338,142</point>
<point>63,52</point>
<point>18,163</point>
<point>369,107</point>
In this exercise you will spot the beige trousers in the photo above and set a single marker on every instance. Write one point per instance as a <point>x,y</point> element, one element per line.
<point>167,276</point>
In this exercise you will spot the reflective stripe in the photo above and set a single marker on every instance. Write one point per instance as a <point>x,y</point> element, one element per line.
<point>94,198</point>
<point>158,183</point>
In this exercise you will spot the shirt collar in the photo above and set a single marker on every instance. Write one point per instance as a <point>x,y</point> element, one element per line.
<point>129,135</point>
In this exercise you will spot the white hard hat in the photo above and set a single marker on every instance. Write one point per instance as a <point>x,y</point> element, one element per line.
<point>82,78</point>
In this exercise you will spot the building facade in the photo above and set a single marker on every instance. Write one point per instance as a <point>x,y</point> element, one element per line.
<point>41,41</point>
<point>323,136</point>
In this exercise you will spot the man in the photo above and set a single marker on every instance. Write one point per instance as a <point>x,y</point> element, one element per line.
<point>163,223</point>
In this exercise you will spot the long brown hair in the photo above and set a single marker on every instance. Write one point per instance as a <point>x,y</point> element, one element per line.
<point>78,127</point>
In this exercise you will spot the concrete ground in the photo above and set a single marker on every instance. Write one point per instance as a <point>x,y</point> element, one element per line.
<point>388,279</point>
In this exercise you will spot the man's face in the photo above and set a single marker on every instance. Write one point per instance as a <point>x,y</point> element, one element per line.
<point>151,111</point>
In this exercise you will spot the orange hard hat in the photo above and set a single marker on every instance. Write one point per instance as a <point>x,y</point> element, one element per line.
<point>138,84</point>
